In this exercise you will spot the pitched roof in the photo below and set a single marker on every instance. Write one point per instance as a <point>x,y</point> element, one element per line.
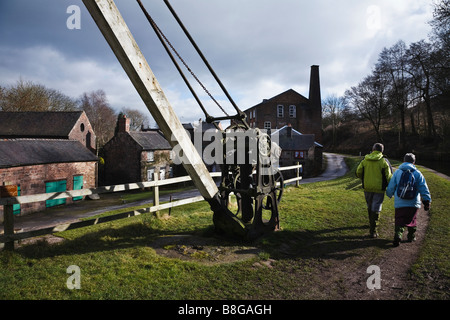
<point>287,91</point>
<point>278,96</point>
<point>150,140</point>
<point>297,140</point>
<point>205,126</point>
<point>37,124</point>
<point>22,152</point>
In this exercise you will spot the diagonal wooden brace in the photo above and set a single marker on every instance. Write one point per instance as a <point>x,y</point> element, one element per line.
<point>119,37</point>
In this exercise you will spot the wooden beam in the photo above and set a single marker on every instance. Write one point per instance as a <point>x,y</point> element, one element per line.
<point>8,240</point>
<point>85,192</point>
<point>8,222</point>
<point>117,34</point>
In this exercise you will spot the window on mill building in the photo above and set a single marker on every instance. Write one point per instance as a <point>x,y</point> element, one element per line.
<point>280,111</point>
<point>292,111</point>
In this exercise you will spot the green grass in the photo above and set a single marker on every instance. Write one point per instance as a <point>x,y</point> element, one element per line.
<point>431,271</point>
<point>324,226</point>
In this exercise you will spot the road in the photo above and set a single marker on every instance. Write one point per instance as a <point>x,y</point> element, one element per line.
<point>336,168</point>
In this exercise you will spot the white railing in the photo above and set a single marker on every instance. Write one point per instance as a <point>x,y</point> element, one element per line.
<point>10,235</point>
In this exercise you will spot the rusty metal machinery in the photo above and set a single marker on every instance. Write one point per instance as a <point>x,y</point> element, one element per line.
<point>254,184</point>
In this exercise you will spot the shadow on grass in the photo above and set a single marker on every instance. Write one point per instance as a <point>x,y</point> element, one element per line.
<point>333,243</point>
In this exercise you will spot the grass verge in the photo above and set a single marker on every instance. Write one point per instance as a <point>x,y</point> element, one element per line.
<point>323,240</point>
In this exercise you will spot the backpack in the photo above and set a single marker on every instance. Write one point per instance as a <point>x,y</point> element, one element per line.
<point>407,188</point>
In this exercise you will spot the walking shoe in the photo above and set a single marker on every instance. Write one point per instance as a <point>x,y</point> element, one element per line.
<point>396,242</point>
<point>411,238</point>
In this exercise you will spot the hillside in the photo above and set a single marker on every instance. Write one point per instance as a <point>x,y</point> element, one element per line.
<point>358,136</point>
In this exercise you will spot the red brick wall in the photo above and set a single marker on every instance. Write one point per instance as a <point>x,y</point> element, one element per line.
<point>308,118</point>
<point>83,132</point>
<point>32,179</point>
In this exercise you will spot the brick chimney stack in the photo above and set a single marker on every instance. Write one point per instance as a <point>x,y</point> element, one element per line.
<point>289,130</point>
<point>315,101</point>
<point>123,123</point>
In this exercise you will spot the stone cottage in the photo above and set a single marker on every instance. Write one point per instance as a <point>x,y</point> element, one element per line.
<point>135,156</point>
<point>298,147</point>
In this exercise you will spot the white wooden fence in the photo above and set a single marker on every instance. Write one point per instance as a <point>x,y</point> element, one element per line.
<point>10,236</point>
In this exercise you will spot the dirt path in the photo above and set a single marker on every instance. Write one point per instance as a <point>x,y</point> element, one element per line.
<point>393,265</point>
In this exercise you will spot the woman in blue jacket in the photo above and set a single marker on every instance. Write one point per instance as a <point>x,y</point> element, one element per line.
<point>406,209</point>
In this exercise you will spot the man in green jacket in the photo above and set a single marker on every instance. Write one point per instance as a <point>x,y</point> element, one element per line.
<point>375,171</point>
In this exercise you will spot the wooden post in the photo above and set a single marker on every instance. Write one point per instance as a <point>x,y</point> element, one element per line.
<point>8,223</point>
<point>119,37</point>
<point>297,183</point>
<point>8,214</point>
<point>156,192</point>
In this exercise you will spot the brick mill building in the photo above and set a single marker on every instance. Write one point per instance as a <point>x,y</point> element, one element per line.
<point>44,152</point>
<point>298,121</point>
<point>291,108</point>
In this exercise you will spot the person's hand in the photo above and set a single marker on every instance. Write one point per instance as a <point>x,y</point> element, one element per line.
<point>426,205</point>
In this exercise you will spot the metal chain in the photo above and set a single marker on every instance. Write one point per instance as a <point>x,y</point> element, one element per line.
<point>185,64</point>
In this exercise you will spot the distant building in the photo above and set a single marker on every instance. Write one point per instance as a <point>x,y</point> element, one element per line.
<point>298,148</point>
<point>298,122</point>
<point>291,108</point>
<point>134,156</point>
<point>71,125</point>
<point>200,128</point>
<point>46,152</point>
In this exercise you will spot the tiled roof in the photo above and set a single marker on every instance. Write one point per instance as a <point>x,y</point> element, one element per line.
<point>37,124</point>
<point>278,96</point>
<point>22,152</point>
<point>150,140</point>
<point>296,141</point>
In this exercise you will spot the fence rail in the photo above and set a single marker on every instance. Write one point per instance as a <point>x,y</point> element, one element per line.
<point>10,235</point>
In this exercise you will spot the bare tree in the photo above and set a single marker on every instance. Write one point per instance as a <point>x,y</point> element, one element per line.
<point>333,107</point>
<point>422,62</point>
<point>137,118</point>
<point>393,62</point>
<point>441,38</point>
<point>441,22</point>
<point>29,96</point>
<point>370,98</point>
<point>100,114</point>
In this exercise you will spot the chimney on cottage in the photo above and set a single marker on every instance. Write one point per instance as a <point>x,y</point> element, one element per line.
<point>289,131</point>
<point>315,101</point>
<point>123,123</point>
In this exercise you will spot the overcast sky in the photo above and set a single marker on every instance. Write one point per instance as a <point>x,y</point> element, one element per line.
<point>258,48</point>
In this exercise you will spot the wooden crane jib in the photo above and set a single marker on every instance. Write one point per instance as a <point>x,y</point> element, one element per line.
<point>256,187</point>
